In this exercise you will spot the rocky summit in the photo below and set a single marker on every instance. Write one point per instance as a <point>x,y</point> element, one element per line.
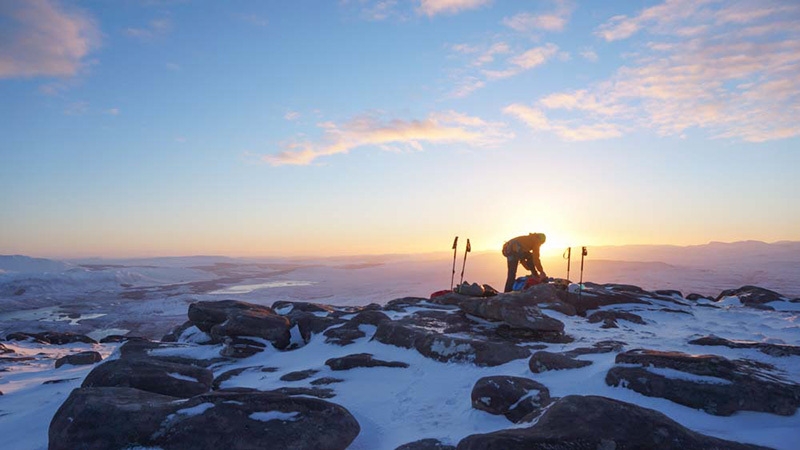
<point>611,367</point>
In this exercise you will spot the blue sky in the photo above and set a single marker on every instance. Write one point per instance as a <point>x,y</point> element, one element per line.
<point>138,128</point>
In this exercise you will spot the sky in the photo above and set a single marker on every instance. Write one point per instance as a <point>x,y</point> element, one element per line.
<point>343,127</point>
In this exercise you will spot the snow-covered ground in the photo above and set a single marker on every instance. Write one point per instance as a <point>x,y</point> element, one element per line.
<point>393,406</point>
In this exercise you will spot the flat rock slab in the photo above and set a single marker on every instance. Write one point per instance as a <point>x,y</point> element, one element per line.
<point>542,361</point>
<point>360,360</point>
<point>103,418</point>
<point>599,423</point>
<point>233,318</point>
<point>752,295</point>
<point>79,359</point>
<point>160,377</point>
<point>51,337</point>
<point>299,375</point>
<point>601,316</point>
<point>779,350</point>
<point>715,384</point>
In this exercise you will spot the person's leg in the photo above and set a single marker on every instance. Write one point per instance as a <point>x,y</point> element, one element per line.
<point>512,273</point>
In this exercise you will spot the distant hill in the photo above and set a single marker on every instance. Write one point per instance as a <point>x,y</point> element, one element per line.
<point>26,264</point>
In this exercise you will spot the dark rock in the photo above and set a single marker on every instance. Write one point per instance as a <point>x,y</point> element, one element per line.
<point>513,397</point>
<point>228,374</point>
<point>79,359</point>
<point>669,293</point>
<point>287,307</point>
<point>325,381</point>
<point>609,323</point>
<point>4,350</point>
<point>360,360</point>
<point>260,324</point>
<point>695,297</point>
<point>426,444</point>
<point>344,335</point>
<point>19,292</point>
<point>598,423</point>
<point>597,347</point>
<point>601,316</point>
<point>117,338</point>
<point>269,369</point>
<point>309,324</point>
<point>299,375</point>
<point>60,380</point>
<point>543,361</point>
<point>160,377</point>
<point>369,318</point>
<point>512,311</point>
<point>143,349</point>
<point>778,350</point>
<point>241,347</point>
<point>101,418</point>
<point>401,304</point>
<point>51,337</point>
<point>176,332</point>
<point>204,315</point>
<point>752,295</point>
<point>313,392</point>
<point>719,386</point>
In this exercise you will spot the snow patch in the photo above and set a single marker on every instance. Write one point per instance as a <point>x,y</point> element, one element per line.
<point>443,348</point>
<point>178,376</point>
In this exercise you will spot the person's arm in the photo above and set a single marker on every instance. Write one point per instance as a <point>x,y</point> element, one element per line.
<point>538,264</point>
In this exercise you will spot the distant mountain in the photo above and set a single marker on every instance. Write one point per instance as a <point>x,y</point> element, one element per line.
<point>26,264</point>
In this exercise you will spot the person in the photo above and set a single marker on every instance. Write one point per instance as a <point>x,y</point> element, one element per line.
<point>524,250</point>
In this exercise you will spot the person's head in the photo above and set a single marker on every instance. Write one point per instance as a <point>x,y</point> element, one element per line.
<point>542,238</point>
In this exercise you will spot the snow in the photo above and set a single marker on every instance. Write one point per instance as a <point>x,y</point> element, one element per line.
<point>195,410</point>
<point>178,376</point>
<point>678,375</point>
<point>266,416</point>
<point>393,406</point>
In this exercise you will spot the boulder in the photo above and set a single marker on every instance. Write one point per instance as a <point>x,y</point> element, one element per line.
<point>324,381</point>
<point>715,384</point>
<point>101,418</point>
<point>778,350</point>
<point>602,316</point>
<point>204,315</point>
<point>426,444</point>
<point>599,423</point>
<point>310,324</point>
<point>162,351</point>
<point>160,377</point>
<point>695,297</point>
<point>79,359</point>
<point>228,374</point>
<point>669,293</point>
<point>176,332</point>
<point>513,397</point>
<point>265,325</point>
<point>542,361</point>
<point>344,335</point>
<point>597,347</point>
<point>360,360</point>
<point>513,311</point>
<point>752,295</point>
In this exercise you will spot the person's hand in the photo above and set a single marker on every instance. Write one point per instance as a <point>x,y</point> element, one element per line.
<point>543,276</point>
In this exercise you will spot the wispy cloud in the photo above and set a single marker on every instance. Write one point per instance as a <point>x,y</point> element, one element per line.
<point>555,20</point>
<point>526,60</point>
<point>589,55</point>
<point>536,120</point>
<point>155,29</point>
<point>113,111</point>
<point>43,38</point>
<point>732,69</point>
<point>291,115</point>
<point>431,8</point>
<point>371,131</point>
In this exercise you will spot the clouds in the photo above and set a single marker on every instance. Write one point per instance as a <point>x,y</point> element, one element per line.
<point>555,20</point>
<point>42,38</point>
<point>370,131</point>
<point>156,28</point>
<point>536,120</point>
<point>431,8</point>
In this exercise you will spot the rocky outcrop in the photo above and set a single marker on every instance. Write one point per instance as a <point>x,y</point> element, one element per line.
<point>598,423</point>
<point>610,318</point>
<point>234,319</point>
<point>299,375</point>
<point>752,295</point>
<point>160,377</point>
<point>512,311</point>
<point>79,359</point>
<point>543,361</point>
<point>51,337</point>
<point>426,444</point>
<point>778,350</point>
<point>513,397</point>
<point>361,360</point>
<point>116,417</point>
<point>717,385</point>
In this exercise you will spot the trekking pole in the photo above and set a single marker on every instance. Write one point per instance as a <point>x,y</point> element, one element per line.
<point>567,252</point>
<point>469,249</point>
<point>580,285</point>
<point>453,276</point>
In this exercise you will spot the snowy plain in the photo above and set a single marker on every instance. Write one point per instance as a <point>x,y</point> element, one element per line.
<point>429,399</point>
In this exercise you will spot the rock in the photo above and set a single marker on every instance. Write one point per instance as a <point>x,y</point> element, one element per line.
<point>543,361</point>
<point>369,318</point>
<point>310,324</point>
<point>426,444</point>
<point>325,381</point>
<point>51,337</point>
<point>401,304</point>
<point>427,332</point>
<point>78,359</point>
<point>287,307</point>
<point>313,392</point>
<point>513,311</point>
<point>344,335</point>
<point>669,293</point>
<point>299,375</point>
<point>162,351</point>
<point>242,347</point>
<point>4,350</point>
<point>160,377</point>
<point>232,318</point>
<point>513,397</point>
<point>598,423</point>
<point>100,418</point>
<point>117,338</point>
<point>60,380</point>
<point>228,374</point>
<point>360,360</point>
<point>752,295</point>
<point>597,347</point>
<point>695,297</point>
<point>601,316</point>
<point>778,350</point>
<point>176,332</point>
<point>717,385</point>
